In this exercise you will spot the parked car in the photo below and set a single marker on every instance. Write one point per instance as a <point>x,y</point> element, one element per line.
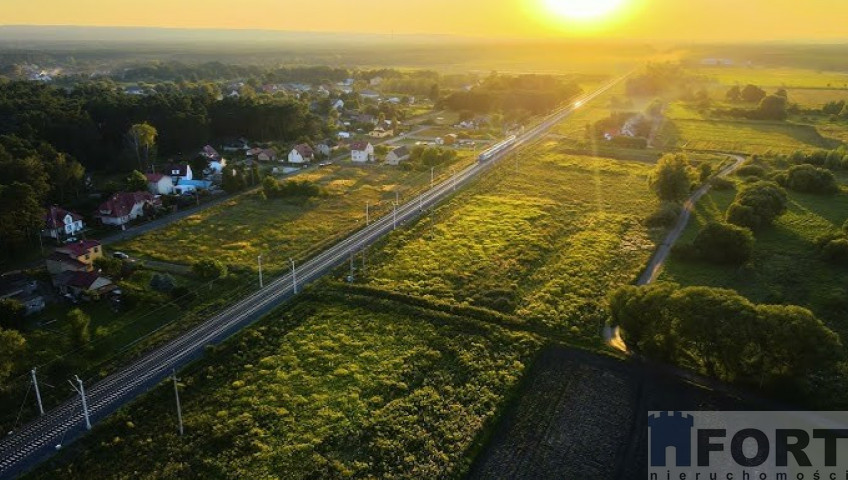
<point>121,256</point>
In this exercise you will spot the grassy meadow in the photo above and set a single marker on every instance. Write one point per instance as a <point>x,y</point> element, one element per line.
<point>787,267</point>
<point>324,390</point>
<point>544,243</point>
<point>240,230</point>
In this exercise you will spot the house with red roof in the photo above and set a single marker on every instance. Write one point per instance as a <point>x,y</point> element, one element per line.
<point>302,153</point>
<point>75,257</point>
<point>62,224</point>
<point>124,207</point>
<point>160,184</point>
<point>361,152</point>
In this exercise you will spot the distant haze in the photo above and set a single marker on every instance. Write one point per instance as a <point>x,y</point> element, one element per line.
<point>690,20</point>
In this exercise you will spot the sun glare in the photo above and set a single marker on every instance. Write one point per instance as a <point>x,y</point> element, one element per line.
<point>584,10</point>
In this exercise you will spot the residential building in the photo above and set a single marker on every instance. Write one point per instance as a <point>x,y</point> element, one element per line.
<point>74,257</point>
<point>397,155</point>
<point>124,207</point>
<point>380,132</point>
<point>179,172</point>
<point>369,94</point>
<point>361,152</point>
<point>160,184</point>
<point>62,224</point>
<point>86,284</point>
<point>302,153</point>
<point>17,286</point>
<point>326,147</point>
<point>267,155</point>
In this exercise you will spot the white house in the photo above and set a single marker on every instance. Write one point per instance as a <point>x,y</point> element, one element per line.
<point>62,224</point>
<point>337,104</point>
<point>344,135</point>
<point>160,184</point>
<point>124,207</point>
<point>380,132</point>
<point>397,155</point>
<point>179,172</point>
<point>302,153</point>
<point>361,152</point>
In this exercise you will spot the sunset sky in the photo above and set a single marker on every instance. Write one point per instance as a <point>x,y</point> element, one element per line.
<point>697,20</point>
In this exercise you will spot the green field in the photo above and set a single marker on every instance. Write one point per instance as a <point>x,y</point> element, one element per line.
<point>238,231</point>
<point>326,390</point>
<point>775,77</point>
<point>742,136</point>
<point>544,244</point>
<point>787,267</point>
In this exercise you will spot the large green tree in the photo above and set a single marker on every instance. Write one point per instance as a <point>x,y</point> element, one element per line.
<point>672,178</point>
<point>80,327</point>
<point>141,137</point>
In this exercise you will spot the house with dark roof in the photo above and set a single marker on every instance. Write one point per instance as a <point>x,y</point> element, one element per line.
<point>24,289</point>
<point>361,152</point>
<point>326,147</point>
<point>124,207</point>
<point>62,224</point>
<point>302,153</point>
<point>178,172</point>
<point>87,284</point>
<point>74,257</point>
<point>397,155</point>
<point>160,184</point>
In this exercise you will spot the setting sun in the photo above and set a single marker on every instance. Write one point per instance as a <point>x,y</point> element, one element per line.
<point>584,10</point>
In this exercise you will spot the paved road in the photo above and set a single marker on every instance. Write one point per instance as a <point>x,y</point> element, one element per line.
<point>612,335</point>
<point>38,440</point>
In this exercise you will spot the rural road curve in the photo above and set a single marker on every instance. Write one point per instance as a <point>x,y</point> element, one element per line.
<point>612,335</point>
<point>36,441</point>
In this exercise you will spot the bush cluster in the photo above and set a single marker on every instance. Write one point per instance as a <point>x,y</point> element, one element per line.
<point>757,205</point>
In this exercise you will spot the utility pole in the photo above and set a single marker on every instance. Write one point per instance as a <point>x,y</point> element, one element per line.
<point>294,275</point>
<point>394,216</point>
<point>177,396</point>
<point>261,283</point>
<point>367,213</point>
<point>37,393</point>
<point>421,202</point>
<point>453,178</point>
<point>81,391</point>
<point>351,265</point>
<point>432,176</point>
<point>397,196</point>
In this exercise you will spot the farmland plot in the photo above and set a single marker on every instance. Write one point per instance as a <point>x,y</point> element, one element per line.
<point>545,243</point>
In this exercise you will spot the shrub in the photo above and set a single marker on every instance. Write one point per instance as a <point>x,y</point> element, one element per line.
<point>751,171</point>
<point>665,216</point>
<point>209,269</point>
<point>757,205</point>
<point>836,251</point>
<point>810,179</point>
<point>724,243</point>
<point>721,183</point>
<point>111,267</point>
<point>162,282</point>
<point>845,227</point>
<point>833,160</point>
<point>12,314</point>
<point>290,189</point>
<point>705,171</point>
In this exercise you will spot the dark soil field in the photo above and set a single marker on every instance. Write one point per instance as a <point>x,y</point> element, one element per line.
<point>583,416</point>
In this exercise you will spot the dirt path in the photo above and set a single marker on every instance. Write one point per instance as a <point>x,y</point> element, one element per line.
<point>612,335</point>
